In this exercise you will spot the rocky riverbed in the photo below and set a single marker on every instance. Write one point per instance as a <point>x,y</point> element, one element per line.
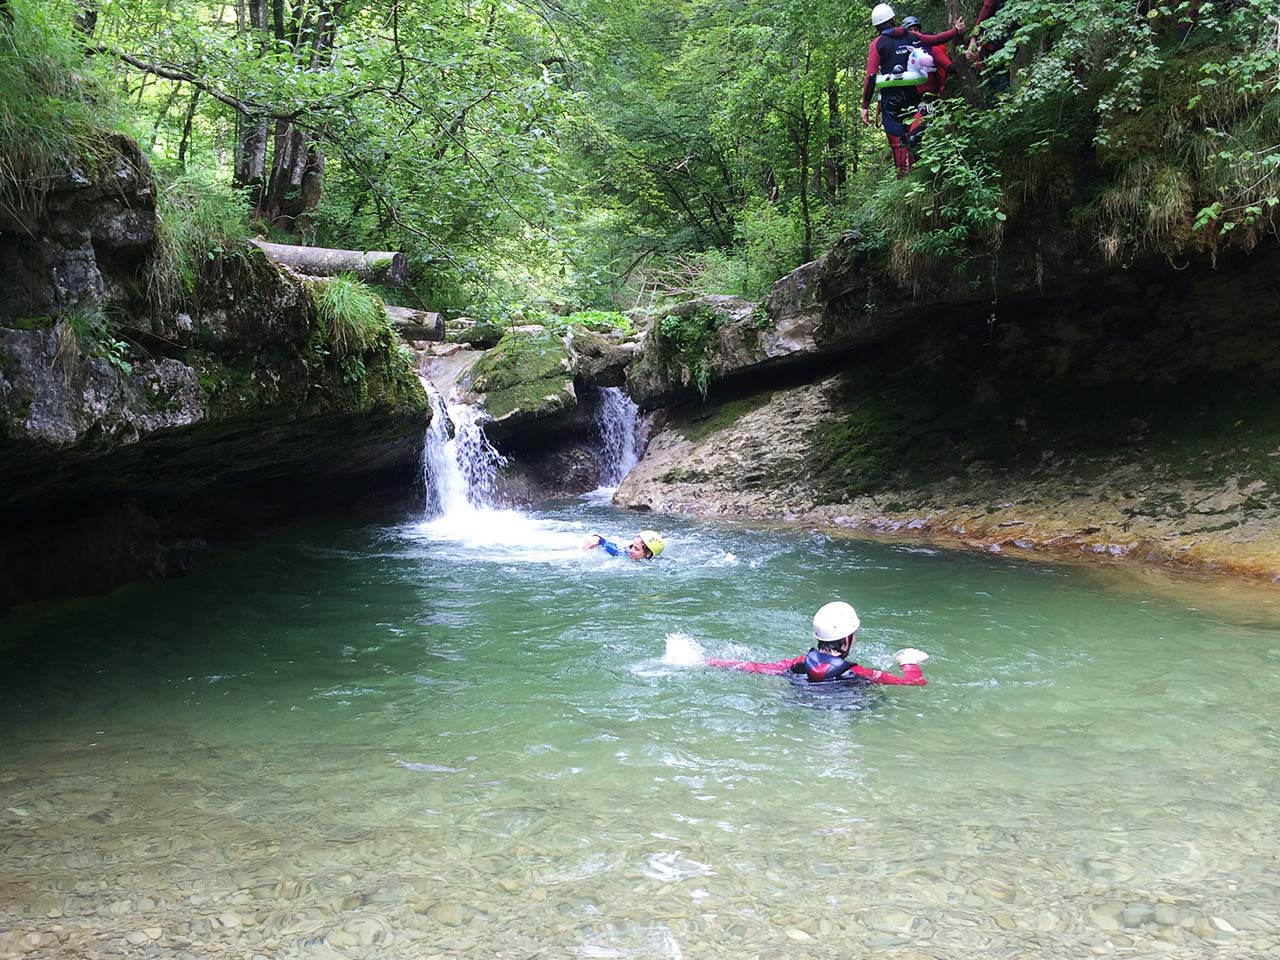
<point>390,902</point>
<point>158,858</point>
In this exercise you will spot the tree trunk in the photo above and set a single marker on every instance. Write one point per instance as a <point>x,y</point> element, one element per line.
<point>379,266</point>
<point>251,143</point>
<point>186,129</point>
<point>296,181</point>
<point>970,82</point>
<point>312,185</point>
<point>806,249</point>
<point>251,156</point>
<point>416,324</point>
<point>87,19</point>
<point>168,105</point>
<point>834,164</point>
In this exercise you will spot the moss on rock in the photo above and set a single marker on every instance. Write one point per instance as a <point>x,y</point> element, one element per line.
<point>32,323</point>
<point>527,374</point>
<point>694,423</point>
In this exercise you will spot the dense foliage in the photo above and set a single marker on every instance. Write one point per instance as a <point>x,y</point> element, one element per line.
<point>557,155</point>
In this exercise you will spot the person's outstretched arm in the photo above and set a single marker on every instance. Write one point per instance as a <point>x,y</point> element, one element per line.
<point>909,659</point>
<point>748,666</point>
<point>937,39</point>
<point>608,546</point>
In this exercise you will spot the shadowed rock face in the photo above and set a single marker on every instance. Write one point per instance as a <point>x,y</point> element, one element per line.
<point>1133,416</point>
<point>82,246</point>
<point>45,404</point>
<point>223,416</point>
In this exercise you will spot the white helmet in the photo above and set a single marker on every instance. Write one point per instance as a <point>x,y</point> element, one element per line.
<point>881,13</point>
<point>835,621</point>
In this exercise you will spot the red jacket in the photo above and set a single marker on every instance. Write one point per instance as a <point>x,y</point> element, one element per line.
<point>937,82</point>
<point>989,9</point>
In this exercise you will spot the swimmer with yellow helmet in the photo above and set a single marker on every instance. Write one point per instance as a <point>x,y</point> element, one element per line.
<point>647,545</point>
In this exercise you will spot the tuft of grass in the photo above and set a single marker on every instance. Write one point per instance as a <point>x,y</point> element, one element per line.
<point>54,114</point>
<point>84,332</point>
<point>1149,207</point>
<point>690,336</point>
<point>1238,165</point>
<point>200,223</point>
<point>351,314</point>
<point>75,333</point>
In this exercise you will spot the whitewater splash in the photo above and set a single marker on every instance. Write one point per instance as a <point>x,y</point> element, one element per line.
<point>459,467</point>
<point>683,651</point>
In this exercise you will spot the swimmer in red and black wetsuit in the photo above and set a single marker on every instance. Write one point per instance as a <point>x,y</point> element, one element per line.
<point>834,628</point>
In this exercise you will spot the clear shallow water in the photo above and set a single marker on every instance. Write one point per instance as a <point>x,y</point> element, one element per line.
<point>470,738</point>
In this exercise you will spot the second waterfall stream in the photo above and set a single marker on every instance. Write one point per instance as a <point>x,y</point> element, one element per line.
<point>617,419</point>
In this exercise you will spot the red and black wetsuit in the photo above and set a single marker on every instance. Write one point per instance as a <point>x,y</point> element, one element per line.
<point>890,49</point>
<point>819,667</point>
<point>989,9</point>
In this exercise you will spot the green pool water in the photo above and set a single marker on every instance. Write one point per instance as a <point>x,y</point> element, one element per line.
<point>468,738</point>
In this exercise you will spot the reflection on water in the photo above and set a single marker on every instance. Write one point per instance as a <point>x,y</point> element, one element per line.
<point>474,739</point>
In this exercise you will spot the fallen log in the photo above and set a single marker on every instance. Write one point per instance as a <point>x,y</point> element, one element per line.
<point>416,324</point>
<point>380,266</point>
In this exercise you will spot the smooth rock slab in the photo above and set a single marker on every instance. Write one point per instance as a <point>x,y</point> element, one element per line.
<point>1139,912</point>
<point>447,913</point>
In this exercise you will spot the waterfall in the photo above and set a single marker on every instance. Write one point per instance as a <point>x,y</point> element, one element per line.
<point>459,470</point>
<point>616,419</point>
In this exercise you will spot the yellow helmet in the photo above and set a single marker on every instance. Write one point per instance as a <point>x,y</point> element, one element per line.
<point>652,540</point>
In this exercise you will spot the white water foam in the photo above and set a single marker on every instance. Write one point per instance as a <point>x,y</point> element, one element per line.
<point>460,471</point>
<point>459,466</point>
<point>508,534</point>
<point>683,651</point>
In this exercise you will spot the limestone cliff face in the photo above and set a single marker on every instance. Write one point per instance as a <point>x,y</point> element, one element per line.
<point>139,435</point>
<point>1128,412</point>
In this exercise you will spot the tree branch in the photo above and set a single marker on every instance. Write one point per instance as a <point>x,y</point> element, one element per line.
<point>247,107</point>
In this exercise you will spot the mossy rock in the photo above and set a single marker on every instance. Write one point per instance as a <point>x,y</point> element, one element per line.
<point>483,335</point>
<point>525,375</point>
<point>31,323</point>
<point>695,343</point>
